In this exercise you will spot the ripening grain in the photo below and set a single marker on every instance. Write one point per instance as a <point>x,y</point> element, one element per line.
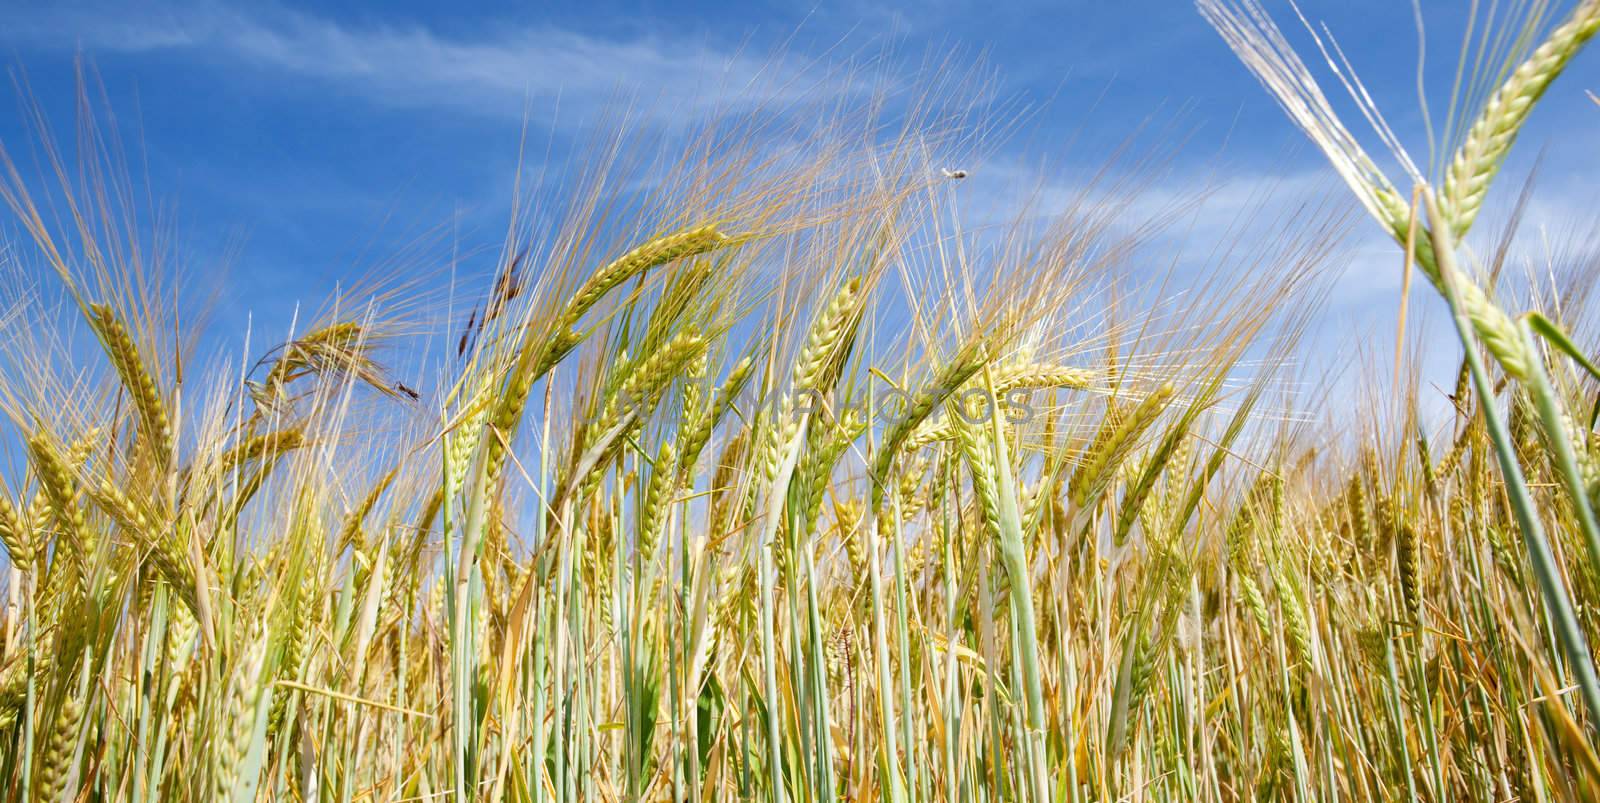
<point>782,485</point>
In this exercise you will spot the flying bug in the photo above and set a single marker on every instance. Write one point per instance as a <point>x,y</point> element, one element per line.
<point>956,174</point>
<point>406,389</point>
<point>506,288</point>
<point>466,334</point>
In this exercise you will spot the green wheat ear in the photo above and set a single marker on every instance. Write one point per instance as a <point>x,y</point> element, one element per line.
<point>830,335</point>
<point>537,356</point>
<point>1491,136</point>
<point>1115,443</point>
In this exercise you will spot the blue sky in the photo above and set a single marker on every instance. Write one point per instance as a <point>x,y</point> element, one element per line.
<point>303,144</point>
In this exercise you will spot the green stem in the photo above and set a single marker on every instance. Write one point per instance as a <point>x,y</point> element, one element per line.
<point>880,645</point>
<point>1013,557</point>
<point>1556,433</point>
<point>1545,568</point>
<point>903,644</point>
<point>765,571</point>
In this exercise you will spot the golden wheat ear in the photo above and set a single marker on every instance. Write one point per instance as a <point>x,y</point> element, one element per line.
<point>15,534</point>
<point>141,386</point>
<point>659,251</point>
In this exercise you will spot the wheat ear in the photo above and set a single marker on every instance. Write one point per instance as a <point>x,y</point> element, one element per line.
<point>15,535</point>
<point>537,356</point>
<point>239,715</point>
<point>56,757</point>
<point>828,339</point>
<point>1113,447</point>
<point>1491,136</point>
<point>63,500</point>
<point>141,386</point>
<point>659,251</point>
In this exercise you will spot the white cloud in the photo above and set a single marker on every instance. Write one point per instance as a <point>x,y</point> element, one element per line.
<point>1243,211</point>
<point>412,66</point>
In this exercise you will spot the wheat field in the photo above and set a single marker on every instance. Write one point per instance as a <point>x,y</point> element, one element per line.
<point>777,482</point>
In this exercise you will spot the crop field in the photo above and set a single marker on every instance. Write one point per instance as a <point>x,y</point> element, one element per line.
<point>776,480</point>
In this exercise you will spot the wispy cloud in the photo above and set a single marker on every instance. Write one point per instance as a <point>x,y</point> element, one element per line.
<point>501,73</point>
